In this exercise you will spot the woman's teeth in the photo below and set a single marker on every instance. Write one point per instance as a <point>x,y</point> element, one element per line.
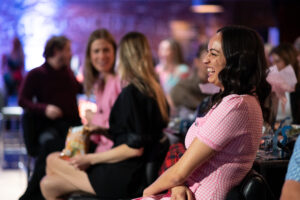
<point>210,70</point>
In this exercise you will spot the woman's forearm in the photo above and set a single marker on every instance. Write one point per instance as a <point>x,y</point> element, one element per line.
<point>167,180</point>
<point>195,155</point>
<point>117,154</point>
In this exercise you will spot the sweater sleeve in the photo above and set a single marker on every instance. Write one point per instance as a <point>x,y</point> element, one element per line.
<point>27,92</point>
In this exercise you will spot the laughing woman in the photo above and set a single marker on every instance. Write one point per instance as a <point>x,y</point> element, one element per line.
<point>222,145</point>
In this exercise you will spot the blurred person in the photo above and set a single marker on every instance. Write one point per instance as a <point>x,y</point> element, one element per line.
<point>171,67</point>
<point>297,47</point>
<point>268,48</point>
<point>283,77</point>
<point>283,55</point>
<point>222,145</point>
<point>13,68</point>
<point>291,186</point>
<point>187,92</point>
<point>49,93</point>
<point>136,121</point>
<point>100,79</point>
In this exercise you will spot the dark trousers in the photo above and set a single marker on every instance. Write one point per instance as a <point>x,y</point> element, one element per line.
<point>53,144</point>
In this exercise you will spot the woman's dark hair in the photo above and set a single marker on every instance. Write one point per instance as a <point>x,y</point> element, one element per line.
<point>53,44</point>
<point>288,53</point>
<point>246,67</point>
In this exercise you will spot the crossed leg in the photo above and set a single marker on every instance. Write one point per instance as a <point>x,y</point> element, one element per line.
<point>63,178</point>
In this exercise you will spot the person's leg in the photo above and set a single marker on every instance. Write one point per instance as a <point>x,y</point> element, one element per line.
<point>63,178</point>
<point>50,189</point>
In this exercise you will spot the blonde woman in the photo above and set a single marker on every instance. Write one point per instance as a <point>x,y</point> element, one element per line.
<point>136,122</point>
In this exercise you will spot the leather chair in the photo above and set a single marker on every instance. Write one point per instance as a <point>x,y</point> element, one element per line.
<point>253,187</point>
<point>295,104</point>
<point>154,162</point>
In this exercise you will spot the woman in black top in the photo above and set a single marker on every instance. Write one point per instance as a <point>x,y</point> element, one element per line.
<point>136,122</point>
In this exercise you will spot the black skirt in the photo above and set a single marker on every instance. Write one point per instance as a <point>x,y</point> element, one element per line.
<point>118,180</point>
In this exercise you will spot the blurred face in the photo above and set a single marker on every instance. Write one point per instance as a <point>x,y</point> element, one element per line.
<point>165,53</point>
<point>276,60</point>
<point>215,60</point>
<point>102,55</point>
<point>201,68</point>
<point>63,57</point>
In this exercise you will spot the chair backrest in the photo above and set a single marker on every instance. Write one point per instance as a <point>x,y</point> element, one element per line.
<point>295,104</point>
<point>253,187</point>
<point>157,157</point>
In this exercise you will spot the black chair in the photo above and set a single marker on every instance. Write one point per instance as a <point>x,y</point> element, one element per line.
<point>295,104</point>
<point>253,187</point>
<point>154,162</point>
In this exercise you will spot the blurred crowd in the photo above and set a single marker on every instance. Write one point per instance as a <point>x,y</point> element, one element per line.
<point>137,98</point>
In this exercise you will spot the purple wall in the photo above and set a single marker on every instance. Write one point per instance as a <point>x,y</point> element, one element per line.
<point>35,21</point>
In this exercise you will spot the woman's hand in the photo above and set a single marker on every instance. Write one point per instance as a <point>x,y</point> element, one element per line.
<point>81,162</point>
<point>146,193</point>
<point>181,193</point>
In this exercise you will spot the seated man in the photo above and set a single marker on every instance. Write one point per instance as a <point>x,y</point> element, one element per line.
<point>291,187</point>
<point>49,93</point>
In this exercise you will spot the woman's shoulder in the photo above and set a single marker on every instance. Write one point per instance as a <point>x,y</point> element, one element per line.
<point>236,100</point>
<point>239,98</point>
<point>130,90</point>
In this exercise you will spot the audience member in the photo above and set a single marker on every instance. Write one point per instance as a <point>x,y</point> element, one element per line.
<point>13,68</point>
<point>268,48</point>
<point>171,67</point>
<point>187,93</point>
<point>283,77</point>
<point>291,187</point>
<point>49,93</point>
<point>135,125</point>
<point>100,78</point>
<point>297,47</point>
<point>222,146</point>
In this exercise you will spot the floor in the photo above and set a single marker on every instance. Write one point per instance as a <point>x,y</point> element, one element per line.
<point>12,184</point>
<point>13,180</point>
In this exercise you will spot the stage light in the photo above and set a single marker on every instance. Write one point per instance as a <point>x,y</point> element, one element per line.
<point>206,6</point>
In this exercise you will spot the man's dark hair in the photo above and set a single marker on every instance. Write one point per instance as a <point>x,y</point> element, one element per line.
<point>53,44</point>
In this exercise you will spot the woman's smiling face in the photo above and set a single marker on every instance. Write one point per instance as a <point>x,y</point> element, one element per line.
<point>215,60</point>
<point>102,55</point>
